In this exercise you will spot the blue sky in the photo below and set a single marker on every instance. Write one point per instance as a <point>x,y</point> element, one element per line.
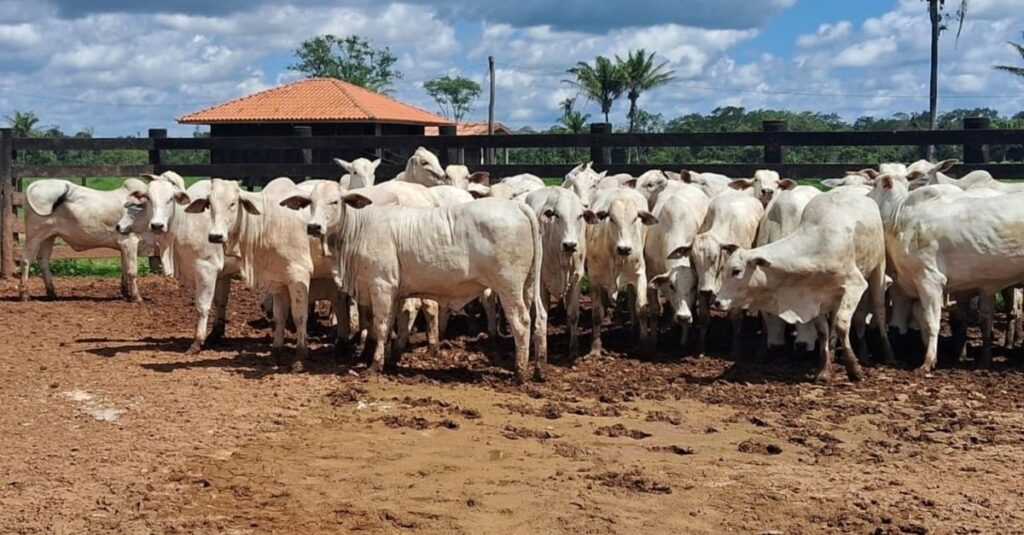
<point>122,66</point>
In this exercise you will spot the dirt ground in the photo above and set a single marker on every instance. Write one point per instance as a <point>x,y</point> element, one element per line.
<point>108,427</point>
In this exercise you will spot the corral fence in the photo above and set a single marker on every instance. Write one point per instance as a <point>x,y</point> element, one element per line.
<point>775,138</point>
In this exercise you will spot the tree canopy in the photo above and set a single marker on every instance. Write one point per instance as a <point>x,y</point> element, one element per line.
<point>454,95</point>
<point>350,58</point>
<point>601,82</point>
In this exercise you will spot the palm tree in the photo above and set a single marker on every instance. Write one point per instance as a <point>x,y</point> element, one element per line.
<point>639,74</point>
<point>601,82</point>
<point>572,120</point>
<point>935,8</point>
<point>1019,71</point>
<point>23,123</point>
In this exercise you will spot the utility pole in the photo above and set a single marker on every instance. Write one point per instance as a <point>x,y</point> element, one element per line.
<point>490,110</point>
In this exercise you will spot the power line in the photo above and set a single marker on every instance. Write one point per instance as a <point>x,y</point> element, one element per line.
<point>111,104</point>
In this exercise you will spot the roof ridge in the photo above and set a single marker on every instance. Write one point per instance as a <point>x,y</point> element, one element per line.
<point>343,87</point>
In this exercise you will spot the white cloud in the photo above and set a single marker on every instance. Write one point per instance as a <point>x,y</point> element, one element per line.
<point>827,33</point>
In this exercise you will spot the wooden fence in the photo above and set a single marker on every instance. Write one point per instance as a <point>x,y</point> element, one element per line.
<point>975,137</point>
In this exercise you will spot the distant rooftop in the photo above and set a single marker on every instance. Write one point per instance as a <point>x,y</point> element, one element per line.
<point>324,100</point>
<point>472,129</point>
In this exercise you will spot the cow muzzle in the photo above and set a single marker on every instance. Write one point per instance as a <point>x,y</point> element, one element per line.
<point>157,227</point>
<point>720,304</point>
<point>570,246</point>
<point>216,237</point>
<point>682,318</point>
<point>315,229</point>
<point>623,250</point>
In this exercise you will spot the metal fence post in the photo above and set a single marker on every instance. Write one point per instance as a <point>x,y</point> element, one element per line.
<point>6,202</point>
<point>600,154</point>
<point>156,160</point>
<point>774,154</point>
<point>976,154</point>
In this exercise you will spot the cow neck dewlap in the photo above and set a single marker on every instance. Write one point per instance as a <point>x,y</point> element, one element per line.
<point>249,242</point>
<point>347,243</point>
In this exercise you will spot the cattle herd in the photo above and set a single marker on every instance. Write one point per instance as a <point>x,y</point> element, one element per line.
<point>884,248</point>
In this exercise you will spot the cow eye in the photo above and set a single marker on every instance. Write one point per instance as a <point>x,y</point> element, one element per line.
<point>672,287</point>
<point>334,203</point>
<point>737,272</point>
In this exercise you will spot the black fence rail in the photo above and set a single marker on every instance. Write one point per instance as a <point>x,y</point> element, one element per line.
<point>774,139</point>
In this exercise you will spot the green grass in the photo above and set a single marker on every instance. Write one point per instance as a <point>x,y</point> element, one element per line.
<point>88,267</point>
<point>105,183</point>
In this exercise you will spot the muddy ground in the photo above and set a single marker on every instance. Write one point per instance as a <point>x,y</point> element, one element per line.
<point>108,427</point>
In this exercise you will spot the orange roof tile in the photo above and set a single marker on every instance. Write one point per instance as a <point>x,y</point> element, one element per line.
<point>471,129</point>
<point>314,100</point>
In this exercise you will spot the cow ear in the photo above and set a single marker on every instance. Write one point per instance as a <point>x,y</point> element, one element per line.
<point>679,252</point>
<point>833,182</point>
<point>915,175</point>
<point>347,166</point>
<point>479,191</point>
<point>658,280</point>
<point>198,206</point>
<point>631,183</point>
<point>480,177</point>
<point>869,173</point>
<point>758,261</point>
<point>730,248</point>
<point>686,176</point>
<point>590,217</point>
<point>602,174</point>
<point>648,218</point>
<point>741,184</point>
<point>138,195</point>
<point>375,164</point>
<point>944,165</point>
<point>149,177</point>
<point>886,181</point>
<point>297,201</point>
<point>672,175</point>
<point>787,184</point>
<point>182,198</point>
<point>357,200</point>
<point>248,202</point>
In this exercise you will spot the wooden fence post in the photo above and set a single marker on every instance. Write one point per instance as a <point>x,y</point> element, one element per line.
<point>976,154</point>
<point>305,155</point>
<point>448,154</point>
<point>601,155</point>
<point>6,202</point>
<point>156,160</point>
<point>774,154</point>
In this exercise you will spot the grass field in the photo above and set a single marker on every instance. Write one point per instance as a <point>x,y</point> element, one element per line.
<point>88,267</point>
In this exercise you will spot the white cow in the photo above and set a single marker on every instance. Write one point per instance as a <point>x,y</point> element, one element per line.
<point>461,178</point>
<point>275,253</point>
<point>615,237</point>
<point>823,268</point>
<point>84,218</point>
<point>360,173</point>
<point>509,188</point>
<point>763,186</point>
<point>711,183</point>
<point>731,223</point>
<point>448,254</point>
<point>780,220</point>
<point>424,168</point>
<point>563,228</point>
<point>949,243</point>
<point>654,183</point>
<point>583,181</point>
<point>680,214</point>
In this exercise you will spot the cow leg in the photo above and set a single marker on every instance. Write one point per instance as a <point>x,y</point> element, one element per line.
<point>572,318</point>
<point>45,252</point>
<point>342,332</point>
<point>518,315</point>
<point>631,306</point>
<point>703,321</point>
<point>859,325</point>
<point>443,315</point>
<point>930,294</point>
<point>958,314</point>
<point>130,269</point>
<point>649,321</point>
<point>1012,307</point>
<point>841,322</point>
<point>382,319</point>
<point>986,309</point>
<point>490,303</point>
<point>206,287</point>
<point>597,307</point>
<point>540,329</point>
<point>28,254</point>
<point>736,348</point>
<point>220,310</point>
<point>774,333</point>
<point>821,326</point>
<point>299,292</point>
<point>281,306</point>
<point>876,285</point>
<point>432,314</point>
<point>407,313</point>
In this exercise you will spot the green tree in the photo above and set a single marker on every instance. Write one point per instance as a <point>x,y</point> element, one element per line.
<point>24,123</point>
<point>572,121</point>
<point>639,74</point>
<point>351,58</point>
<point>1019,71</point>
<point>455,96</point>
<point>601,82</point>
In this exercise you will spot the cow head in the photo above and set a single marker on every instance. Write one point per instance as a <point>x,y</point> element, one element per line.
<point>584,183</point>
<point>424,168</point>
<point>745,275</point>
<point>651,183</point>
<point>679,286</point>
<point>362,172</point>
<point>764,185</point>
<point>152,209</point>
<point>327,206</point>
<point>226,203</point>
<point>561,219</point>
<point>626,218</point>
<point>707,256</point>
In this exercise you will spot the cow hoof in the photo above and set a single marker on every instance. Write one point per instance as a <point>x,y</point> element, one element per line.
<point>195,348</point>
<point>279,356</point>
<point>434,351</point>
<point>823,378</point>
<point>521,377</point>
<point>24,297</point>
<point>923,370</point>
<point>539,375</point>
<point>374,369</point>
<point>855,376</point>
<point>298,367</point>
